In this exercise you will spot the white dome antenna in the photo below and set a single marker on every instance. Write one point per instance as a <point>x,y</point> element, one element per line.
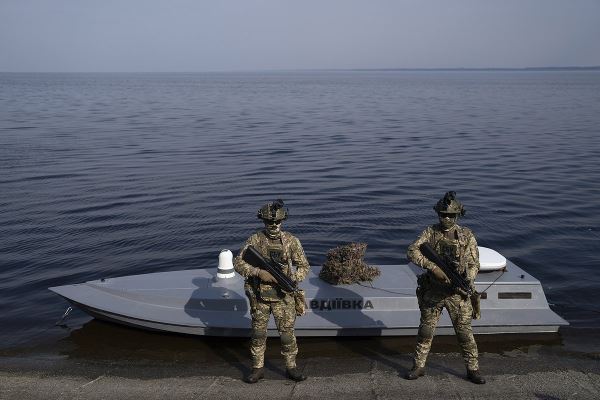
<point>490,260</point>
<point>225,269</point>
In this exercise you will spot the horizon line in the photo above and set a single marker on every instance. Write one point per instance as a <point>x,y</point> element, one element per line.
<point>449,69</point>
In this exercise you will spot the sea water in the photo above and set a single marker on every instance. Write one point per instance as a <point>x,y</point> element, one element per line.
<point>105,175</point>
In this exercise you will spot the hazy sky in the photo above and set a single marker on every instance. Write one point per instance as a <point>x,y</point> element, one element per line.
<point>226,35</point>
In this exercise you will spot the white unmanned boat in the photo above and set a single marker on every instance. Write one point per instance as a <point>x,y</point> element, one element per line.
<point>212,302</point>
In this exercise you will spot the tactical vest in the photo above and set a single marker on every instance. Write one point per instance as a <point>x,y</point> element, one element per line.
<point>453,251</point>
<point>278,250</point>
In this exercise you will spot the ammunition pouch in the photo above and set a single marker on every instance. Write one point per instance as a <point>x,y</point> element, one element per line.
<point>476,305</point>
<point>270,293</point>
<point>299,302</point>
<point>264,291</point>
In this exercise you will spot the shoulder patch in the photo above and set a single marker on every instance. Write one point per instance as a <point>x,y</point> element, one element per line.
<point>288,237</point>
<point>465,231</point>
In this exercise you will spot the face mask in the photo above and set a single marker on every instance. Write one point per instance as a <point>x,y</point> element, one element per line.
<point>448,223</point>
<point>273,228</point>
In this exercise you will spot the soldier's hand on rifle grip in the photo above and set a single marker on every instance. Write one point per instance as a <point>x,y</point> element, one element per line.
<point>266,277</point>
<point>440,275</point>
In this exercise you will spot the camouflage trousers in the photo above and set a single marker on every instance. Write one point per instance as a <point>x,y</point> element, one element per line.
<point>431,303</point>
<point>284,312</point>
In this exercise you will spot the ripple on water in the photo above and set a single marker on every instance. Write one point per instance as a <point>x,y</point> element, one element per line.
<point>109,175</point>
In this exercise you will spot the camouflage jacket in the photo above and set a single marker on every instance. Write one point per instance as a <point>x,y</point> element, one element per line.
<point>466,255</point>
<point>287,250</point>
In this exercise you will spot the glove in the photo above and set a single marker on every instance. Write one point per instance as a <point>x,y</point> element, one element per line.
<point>440,275</point>
<point>266,276</point>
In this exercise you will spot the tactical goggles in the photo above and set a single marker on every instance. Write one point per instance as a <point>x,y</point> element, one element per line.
<point>447,215</point>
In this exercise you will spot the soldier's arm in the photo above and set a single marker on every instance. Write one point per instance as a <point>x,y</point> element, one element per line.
<point>414,253</point>
<point>299,260</point>
<point>241,266</point>
<point>473,262</point>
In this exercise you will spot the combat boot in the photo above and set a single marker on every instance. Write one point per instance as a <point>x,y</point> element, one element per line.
<point>294,374</point>
<point>475,377</point>
<point>415,373</point>
<point>254,376</point>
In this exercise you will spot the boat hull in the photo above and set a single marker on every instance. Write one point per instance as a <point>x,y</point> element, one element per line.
<point>194,302</point>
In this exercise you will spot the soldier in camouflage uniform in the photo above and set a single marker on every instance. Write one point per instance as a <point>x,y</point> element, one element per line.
<point>458,247</point>
<point>265,296</point>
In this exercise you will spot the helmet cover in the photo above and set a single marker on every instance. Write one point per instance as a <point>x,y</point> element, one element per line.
<point>449,205</point>
<point>273,211</point>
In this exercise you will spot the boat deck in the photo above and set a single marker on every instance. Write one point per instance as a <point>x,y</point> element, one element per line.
<point>195,302</point>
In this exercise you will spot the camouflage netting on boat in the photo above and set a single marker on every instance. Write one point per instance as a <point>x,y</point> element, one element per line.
<point>345,265</point>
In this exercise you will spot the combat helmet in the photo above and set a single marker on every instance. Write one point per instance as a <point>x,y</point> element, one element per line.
<point>273,211</point>
<point>449,205</point>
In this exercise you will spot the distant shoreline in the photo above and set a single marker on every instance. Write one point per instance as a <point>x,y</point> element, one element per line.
<point>466,69</point>
<point>592,68</point>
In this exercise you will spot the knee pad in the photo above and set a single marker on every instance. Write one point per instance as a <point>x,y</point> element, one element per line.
<point>426,331</point>
<point>287,338</point>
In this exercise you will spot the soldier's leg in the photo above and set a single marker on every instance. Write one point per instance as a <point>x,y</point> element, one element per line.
<point>260,319</point>
<point>284,312</point>
<point>461,311</point>
<point>430,315</point>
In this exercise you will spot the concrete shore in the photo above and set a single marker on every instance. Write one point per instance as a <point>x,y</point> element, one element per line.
<point>353,370</point>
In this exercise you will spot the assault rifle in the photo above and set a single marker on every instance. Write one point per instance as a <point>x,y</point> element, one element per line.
<point>456,280</point>
<point>254,258</point>
<point>460,284</point>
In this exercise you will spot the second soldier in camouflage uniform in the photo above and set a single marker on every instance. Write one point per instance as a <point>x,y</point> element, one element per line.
<point>265,296</point>
<point>458,247</point>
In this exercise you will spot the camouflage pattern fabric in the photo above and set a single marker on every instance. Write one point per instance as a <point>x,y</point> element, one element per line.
<point>345,265</point>
<point>458,248</point>
<point>289,249</point>
<point>466,251</point>
<point>460,311</point>
<point>266,299</point>
<point>284,313</point>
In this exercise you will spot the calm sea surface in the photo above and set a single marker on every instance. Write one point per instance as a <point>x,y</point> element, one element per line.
<point>118,174</point>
